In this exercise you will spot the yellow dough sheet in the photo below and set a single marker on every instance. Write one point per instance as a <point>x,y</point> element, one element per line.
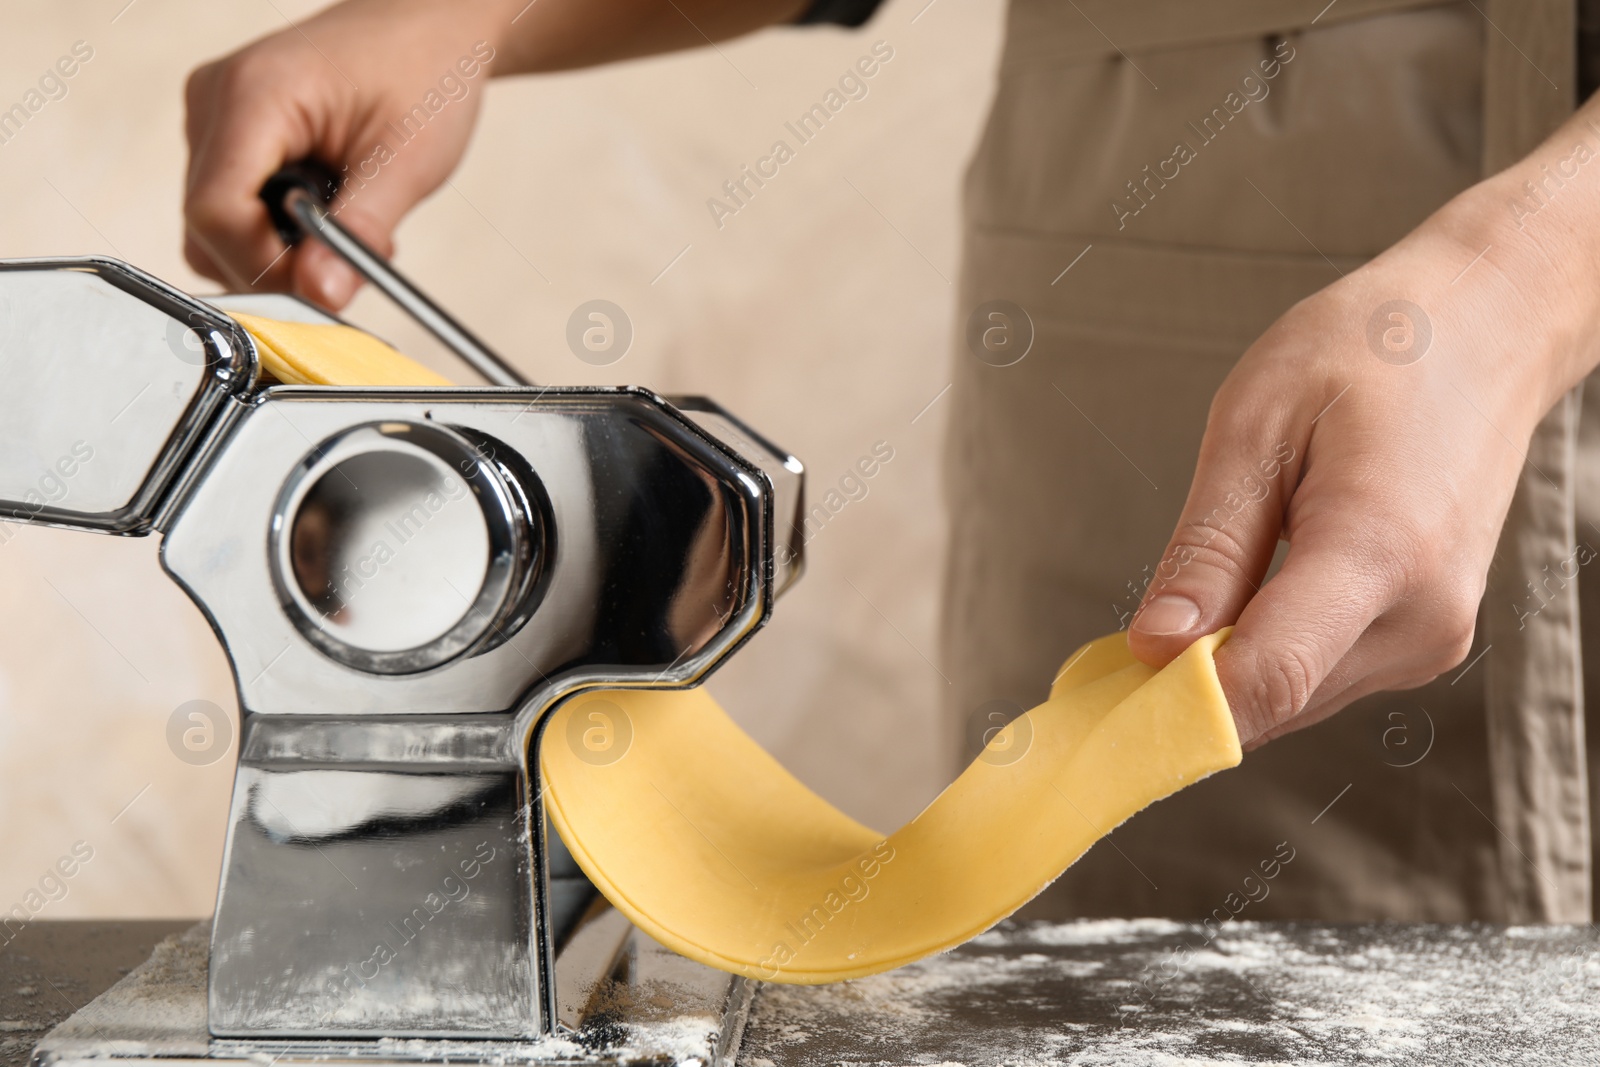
<point>707,844</point>
<point>302,353</point>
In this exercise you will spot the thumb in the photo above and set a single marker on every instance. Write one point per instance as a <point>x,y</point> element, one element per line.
<point>1222,546</point>
<point>1292,636</point>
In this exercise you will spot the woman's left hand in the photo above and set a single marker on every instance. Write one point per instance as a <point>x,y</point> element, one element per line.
<point>1379,427</point>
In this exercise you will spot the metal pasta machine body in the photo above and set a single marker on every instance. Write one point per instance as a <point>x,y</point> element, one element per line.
<point>405,581</point>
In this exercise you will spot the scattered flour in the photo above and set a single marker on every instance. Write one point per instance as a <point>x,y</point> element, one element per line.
<point>1155,993</point>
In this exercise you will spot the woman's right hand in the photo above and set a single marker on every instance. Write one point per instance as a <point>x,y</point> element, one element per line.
<point>386,92</point>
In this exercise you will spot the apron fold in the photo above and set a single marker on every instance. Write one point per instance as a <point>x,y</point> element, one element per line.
<point>1534,695</point>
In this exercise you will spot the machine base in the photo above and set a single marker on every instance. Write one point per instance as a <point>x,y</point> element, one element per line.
<point>623,999</point>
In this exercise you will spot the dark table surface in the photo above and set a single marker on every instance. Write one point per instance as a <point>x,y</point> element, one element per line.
<point>1157,993</point>
<point>51,969</point>
<point>1078,994</point>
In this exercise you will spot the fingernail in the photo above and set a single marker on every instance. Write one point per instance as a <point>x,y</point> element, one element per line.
<point>338,285</point>
<point>1166,615</point>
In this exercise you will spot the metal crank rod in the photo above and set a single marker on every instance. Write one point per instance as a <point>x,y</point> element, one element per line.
<point>297,197</point>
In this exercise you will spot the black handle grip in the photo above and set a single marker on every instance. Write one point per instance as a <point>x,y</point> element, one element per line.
<point>314,176</point>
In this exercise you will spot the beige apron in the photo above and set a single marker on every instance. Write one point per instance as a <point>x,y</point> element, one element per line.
<point>1066,471</point>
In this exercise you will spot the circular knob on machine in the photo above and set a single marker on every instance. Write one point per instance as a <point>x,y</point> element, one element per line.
<point>397,547</point>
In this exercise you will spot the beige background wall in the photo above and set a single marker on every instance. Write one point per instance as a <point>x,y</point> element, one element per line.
<point>820,313</point>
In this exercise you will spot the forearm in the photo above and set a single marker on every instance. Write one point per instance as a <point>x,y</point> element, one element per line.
<point>548,35</point>
<point>1536,226</point>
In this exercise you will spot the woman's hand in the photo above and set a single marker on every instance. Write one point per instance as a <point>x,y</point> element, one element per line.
<point>385,92</point>
<point>1379,427</point>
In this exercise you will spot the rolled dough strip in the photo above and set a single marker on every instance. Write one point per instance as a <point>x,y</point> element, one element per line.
<point>708,845</point>
<point>301,353</point>
<point>712,848</point>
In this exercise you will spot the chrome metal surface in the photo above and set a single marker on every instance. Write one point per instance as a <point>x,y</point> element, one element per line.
<point>786,473</point>
<point>315,221</point>
<point>113,378</point>
<point>396,547</point>
<point>375,902</point>
<point>405,581</point>
<point>633,1003</point>
<point>586,961</point>
<point>655,560</point>
<point>657,549</point>
<point>387,877</point>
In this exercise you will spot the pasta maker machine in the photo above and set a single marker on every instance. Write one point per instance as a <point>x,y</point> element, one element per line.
<point>406,581</point>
